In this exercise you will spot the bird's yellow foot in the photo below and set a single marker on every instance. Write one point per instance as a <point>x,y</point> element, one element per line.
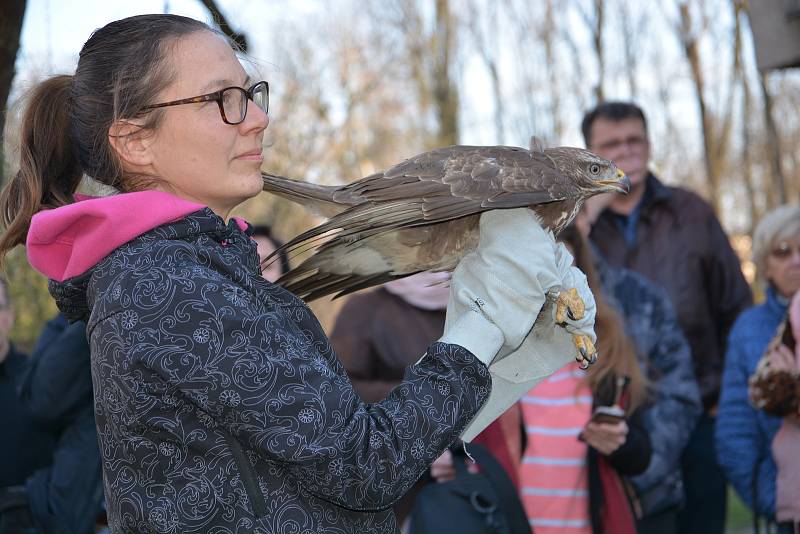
<point>569,304</point>
<point>586,351</point>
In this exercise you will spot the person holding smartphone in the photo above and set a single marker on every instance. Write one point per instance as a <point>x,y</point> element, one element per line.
<point>585,432</point>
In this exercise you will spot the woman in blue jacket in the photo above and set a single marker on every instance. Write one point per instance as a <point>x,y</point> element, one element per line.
<point>744,434</point>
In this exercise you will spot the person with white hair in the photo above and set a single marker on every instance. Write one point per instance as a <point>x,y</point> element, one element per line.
<point>754,447</point>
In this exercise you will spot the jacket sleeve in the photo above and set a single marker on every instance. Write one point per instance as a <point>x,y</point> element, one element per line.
<point>742,449</point>
<point>675,404</point>
<point>59,380</point>
<point>633,457</point>
<point>266,374</point>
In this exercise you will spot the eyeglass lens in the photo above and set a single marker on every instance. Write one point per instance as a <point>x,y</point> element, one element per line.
<point>784,250</point>
<point>234,101</point>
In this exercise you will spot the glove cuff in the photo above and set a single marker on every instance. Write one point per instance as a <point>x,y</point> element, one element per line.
<point>476,334</point>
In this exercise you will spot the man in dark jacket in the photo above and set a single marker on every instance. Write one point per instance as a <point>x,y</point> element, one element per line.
<point>672,237</point>
<point>27,443</point>
<point>63,491</point>
<point>66,495</point>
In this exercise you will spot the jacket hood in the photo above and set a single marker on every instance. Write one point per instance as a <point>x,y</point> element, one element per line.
<point>68,241</point>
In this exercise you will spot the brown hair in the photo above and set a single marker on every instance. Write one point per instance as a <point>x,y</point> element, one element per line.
<point>66,122</point>
<point>616,351</point>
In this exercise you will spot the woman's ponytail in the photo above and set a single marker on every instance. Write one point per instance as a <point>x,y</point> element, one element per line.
<point>49,171</point>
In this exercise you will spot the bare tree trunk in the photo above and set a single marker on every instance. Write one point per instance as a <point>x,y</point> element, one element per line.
<point>629,30</point>
<point>11,15</point>
<point>487,52</point>
<point>597,39</point>
<point>740,75</point>
<point>773,144</point>
<point>549,34</point>
<point>594,22</point>
<point>445,93</point>
<point>692,50</point>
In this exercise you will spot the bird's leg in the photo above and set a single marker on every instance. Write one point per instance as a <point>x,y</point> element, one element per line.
<point>570,305</point>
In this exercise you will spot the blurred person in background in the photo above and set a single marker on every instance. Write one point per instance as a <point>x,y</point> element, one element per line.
<point>673,238</point>
<point>665,357</point>
<point>266,244</point>
<point>64,497</point>
<point>758,448</point>
<point>576,465</point>
<point>27,443</point>
<point>58,486</point>
<point>376,335</point>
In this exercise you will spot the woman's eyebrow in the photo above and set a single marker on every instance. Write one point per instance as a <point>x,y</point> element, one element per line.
<point>222,83</point>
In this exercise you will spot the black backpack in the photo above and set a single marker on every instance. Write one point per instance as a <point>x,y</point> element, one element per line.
<point>472,503</point>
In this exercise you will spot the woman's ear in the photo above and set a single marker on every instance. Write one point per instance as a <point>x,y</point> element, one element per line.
<point>132,143</point>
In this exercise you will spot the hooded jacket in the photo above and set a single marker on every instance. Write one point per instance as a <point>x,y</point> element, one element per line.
<point>219,403</point>
<point>664,355</point>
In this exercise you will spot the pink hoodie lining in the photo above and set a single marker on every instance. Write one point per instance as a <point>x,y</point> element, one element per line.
<point>68,241</point>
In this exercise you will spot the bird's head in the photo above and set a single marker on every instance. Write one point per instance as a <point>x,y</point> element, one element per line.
<point>591,173</point>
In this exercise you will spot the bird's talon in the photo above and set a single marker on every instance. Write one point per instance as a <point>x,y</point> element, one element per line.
<point>593,358</point>
<point>584,365</point>
<point>571,315</point>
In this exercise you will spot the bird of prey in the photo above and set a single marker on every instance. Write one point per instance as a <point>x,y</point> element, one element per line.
<point>422,214</point>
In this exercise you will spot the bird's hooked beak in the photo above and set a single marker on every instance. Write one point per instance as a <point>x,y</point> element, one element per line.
<point>620,184</point>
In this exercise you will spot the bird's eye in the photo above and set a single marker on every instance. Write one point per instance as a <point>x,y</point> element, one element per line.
<point>594,168</point>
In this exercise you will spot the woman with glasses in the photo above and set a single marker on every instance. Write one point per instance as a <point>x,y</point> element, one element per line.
<point>219,403</point>
<point>756,449</point>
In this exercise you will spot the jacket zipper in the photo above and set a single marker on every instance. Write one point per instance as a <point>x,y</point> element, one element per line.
<point>249,480</point>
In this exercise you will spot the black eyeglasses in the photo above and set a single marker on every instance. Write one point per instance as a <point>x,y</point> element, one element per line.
<point>232,101</point>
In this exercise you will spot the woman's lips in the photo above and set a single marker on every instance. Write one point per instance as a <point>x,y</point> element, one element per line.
<point>255,155</point>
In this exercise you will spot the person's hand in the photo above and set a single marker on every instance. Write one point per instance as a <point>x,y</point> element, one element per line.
<point>605,437</point>
<point>594,206</point>
<point>782,358</point>
<point>443,470</point>
<point>498,289</point>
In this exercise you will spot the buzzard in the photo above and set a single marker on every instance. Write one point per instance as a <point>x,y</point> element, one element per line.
<point>422,214</point>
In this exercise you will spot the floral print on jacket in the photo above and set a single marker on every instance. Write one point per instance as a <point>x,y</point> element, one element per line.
<point>221,407</point>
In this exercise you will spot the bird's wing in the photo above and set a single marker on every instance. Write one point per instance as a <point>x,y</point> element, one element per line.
<point>440,185</point>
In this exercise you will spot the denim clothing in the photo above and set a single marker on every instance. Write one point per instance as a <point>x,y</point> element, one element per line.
<point>664,356</point>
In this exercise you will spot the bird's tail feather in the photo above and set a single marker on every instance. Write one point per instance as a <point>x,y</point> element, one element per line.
<point>317,198</point>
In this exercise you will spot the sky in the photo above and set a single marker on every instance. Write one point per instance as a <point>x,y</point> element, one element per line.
<point>54,32</point>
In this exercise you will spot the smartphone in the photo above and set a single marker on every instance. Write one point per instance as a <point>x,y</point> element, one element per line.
<point>608,414</point>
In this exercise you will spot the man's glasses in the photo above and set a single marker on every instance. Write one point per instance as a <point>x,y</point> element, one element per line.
<point>635,141</point>
<point>784,250</point>
<point>232,101</point>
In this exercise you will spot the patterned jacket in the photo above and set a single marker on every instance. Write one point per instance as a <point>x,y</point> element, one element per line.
<point>221,407</point>
<point>664,354</point>
<point>743,433</point>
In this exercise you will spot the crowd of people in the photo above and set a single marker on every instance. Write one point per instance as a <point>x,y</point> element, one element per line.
<point>181,390</point>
